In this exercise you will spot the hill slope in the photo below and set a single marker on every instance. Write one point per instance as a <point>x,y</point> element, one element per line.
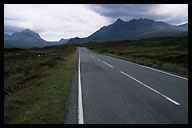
<point>25,39</point>
<point>132,30</point>
<point>61,41</point>
<point>6,36</point>
<point>184,26</point>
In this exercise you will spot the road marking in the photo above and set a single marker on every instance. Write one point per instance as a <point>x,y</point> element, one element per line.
<point>80,103</point>
<point>166,73</point>
<point>171,100</point>
<point>98,59</point>
<point>159,71</point>
<point>150,68</point>
<point>108,64</point>
<point>91,55</point>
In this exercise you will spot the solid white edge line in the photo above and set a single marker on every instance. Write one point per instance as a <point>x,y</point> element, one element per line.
<point>159,71</point>
<point>171,100</point>
<point>108,64</point>
<point>80,103</point>
<point>166,73</point>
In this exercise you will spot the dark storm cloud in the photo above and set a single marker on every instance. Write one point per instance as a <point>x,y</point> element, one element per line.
<point>169,13</point>
<point>121,10</point>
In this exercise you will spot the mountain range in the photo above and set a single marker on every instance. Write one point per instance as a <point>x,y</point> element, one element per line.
<point>61,41</point>
<point>28,39</point>
<point>184,26</point>
<point>120,30</point>
<point>133,30</point>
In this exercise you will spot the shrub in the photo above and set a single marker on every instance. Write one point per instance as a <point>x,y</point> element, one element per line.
<point>18,69</point>
<point>104,50</point>
<point>49,63</point>
<point>42,64</point>
<point>120,53</point>
<point>92,48</point>
<point>6,73</point>
<point>58,58</point>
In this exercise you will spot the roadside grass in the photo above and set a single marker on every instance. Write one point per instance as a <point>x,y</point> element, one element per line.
<point>167,53</point>
<point>20,64</point>
<point>42,100</point>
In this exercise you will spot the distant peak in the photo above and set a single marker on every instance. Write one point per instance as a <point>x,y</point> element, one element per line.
<point>119,21</point>
<point>76,38</point>
<point>61,39</point>
<point>29,32</point>
<point>140,19</point>
<point>27,29</point>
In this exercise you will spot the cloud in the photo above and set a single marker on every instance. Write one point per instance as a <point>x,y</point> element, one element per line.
<point>171,13</point>
<point>11,29</point>
<point>56,21</point>
<point>53,21</point>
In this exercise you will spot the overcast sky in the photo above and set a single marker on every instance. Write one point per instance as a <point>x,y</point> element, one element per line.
<point>56,21</point>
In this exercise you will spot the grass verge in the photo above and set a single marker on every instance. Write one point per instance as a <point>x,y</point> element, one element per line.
<point>44,100</point>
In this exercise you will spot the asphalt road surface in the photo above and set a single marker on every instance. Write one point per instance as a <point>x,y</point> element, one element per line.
<point>115,91</point>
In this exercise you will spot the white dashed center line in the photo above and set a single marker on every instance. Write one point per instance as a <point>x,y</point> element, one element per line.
<point>108,64</point>
<point>171,100</point>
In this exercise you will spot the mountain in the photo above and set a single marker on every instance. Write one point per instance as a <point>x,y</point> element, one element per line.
<point>6,36</point>
<point>78,40</point>
<point>25,39</point>
<point>184,26</point>
<point>61,41</point>
<point>132,30</point>
<point>15,33</point>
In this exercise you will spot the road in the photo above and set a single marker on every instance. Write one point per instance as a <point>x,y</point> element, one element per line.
<point>115,91</point>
